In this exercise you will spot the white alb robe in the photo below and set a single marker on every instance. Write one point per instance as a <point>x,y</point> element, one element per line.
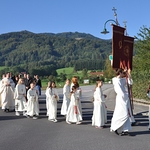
<point>149,117</point>
<point>78,94</point>
<point>47,101</point>
<point>71,115</point>
<point>99,117</point>
<point>66,99</point>
<point>130,82</point>
<point>20,100</point>
<point>7,93</point>
<point>52,103</point>
<point>32,104</point>
<point>37,91</point>
<point>121,115</point>
<point>0,94</point>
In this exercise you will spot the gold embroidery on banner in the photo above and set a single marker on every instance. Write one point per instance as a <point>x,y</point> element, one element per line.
<point>120,44</point>
<point>126,51</point>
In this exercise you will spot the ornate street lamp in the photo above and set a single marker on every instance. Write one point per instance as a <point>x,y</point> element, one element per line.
<point>105,31</point>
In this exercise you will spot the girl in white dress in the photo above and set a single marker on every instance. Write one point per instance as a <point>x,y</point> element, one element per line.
<point>78,91</point>
<point>47,101</point>
<point>149,118</point>
<point>74,114</point>
<point>20,97</point>
<point>32,104</point>
<point>52,97</point>
<point>99,117</point>
<point>75,83</point>
<point>66,97</point>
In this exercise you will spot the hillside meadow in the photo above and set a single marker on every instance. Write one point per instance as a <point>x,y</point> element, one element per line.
<point>69,74</point>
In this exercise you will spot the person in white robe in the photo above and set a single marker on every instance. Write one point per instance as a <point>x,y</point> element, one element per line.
<point>129,81</point>
<point>74,113</point>
<point>7,93</point>
<point>32,103</point>
<point>47,99</point>
<point>120,119</point>
<point>99,117</point>
<point>66,98</point>
<point>3,76</point>
<point>75,83</point>
<point>149,118</point>
<point>78,91</point>
<point>20,97</point>
<point>52,98</point>
<point>0,101</point>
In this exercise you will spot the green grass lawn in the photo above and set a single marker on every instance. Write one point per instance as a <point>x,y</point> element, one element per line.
<point>67,71</point>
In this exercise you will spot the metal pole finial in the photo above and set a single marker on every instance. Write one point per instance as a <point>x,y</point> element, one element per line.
<point>115,14</point>
<point>114,9</point>
<point>125,26</point>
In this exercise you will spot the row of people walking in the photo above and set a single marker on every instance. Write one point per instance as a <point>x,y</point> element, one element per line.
<point>71,106</point>
<point>28,103</point>
<point>9,87</point>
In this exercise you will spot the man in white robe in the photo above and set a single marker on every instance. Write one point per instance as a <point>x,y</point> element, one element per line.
<point>121,115</point>
<point>7,93</point>
<point>127,87</point>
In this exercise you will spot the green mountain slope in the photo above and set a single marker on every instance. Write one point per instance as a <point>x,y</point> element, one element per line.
<point>68,49</point>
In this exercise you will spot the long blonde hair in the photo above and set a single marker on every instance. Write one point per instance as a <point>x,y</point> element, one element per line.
<point>19,81</point>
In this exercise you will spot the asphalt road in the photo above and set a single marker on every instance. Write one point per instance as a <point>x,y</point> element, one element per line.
<point>20,133</point>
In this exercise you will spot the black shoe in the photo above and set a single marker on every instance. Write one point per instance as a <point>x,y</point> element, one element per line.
<point>6,110</point>
<point>116,132</point>
<point>134,123</point>
<point>125,133</point>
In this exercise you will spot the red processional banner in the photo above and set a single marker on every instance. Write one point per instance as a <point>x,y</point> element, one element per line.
<point>127,54</point>
<point>122,49</point>
<point>117,45</point>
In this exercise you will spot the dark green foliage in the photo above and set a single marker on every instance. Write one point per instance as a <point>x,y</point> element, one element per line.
<point>35,53</point>
<point>141,64</point>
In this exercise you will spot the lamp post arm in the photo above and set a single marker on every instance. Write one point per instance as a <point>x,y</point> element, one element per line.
<point>108,21</point>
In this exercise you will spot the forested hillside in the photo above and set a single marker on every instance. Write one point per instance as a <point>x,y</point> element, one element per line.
<point>27,51</point>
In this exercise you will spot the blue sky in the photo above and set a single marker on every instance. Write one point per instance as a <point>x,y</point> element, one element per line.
<point>85,16</point>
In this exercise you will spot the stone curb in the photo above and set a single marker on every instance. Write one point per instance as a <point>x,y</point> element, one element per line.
<point>141,101</point>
